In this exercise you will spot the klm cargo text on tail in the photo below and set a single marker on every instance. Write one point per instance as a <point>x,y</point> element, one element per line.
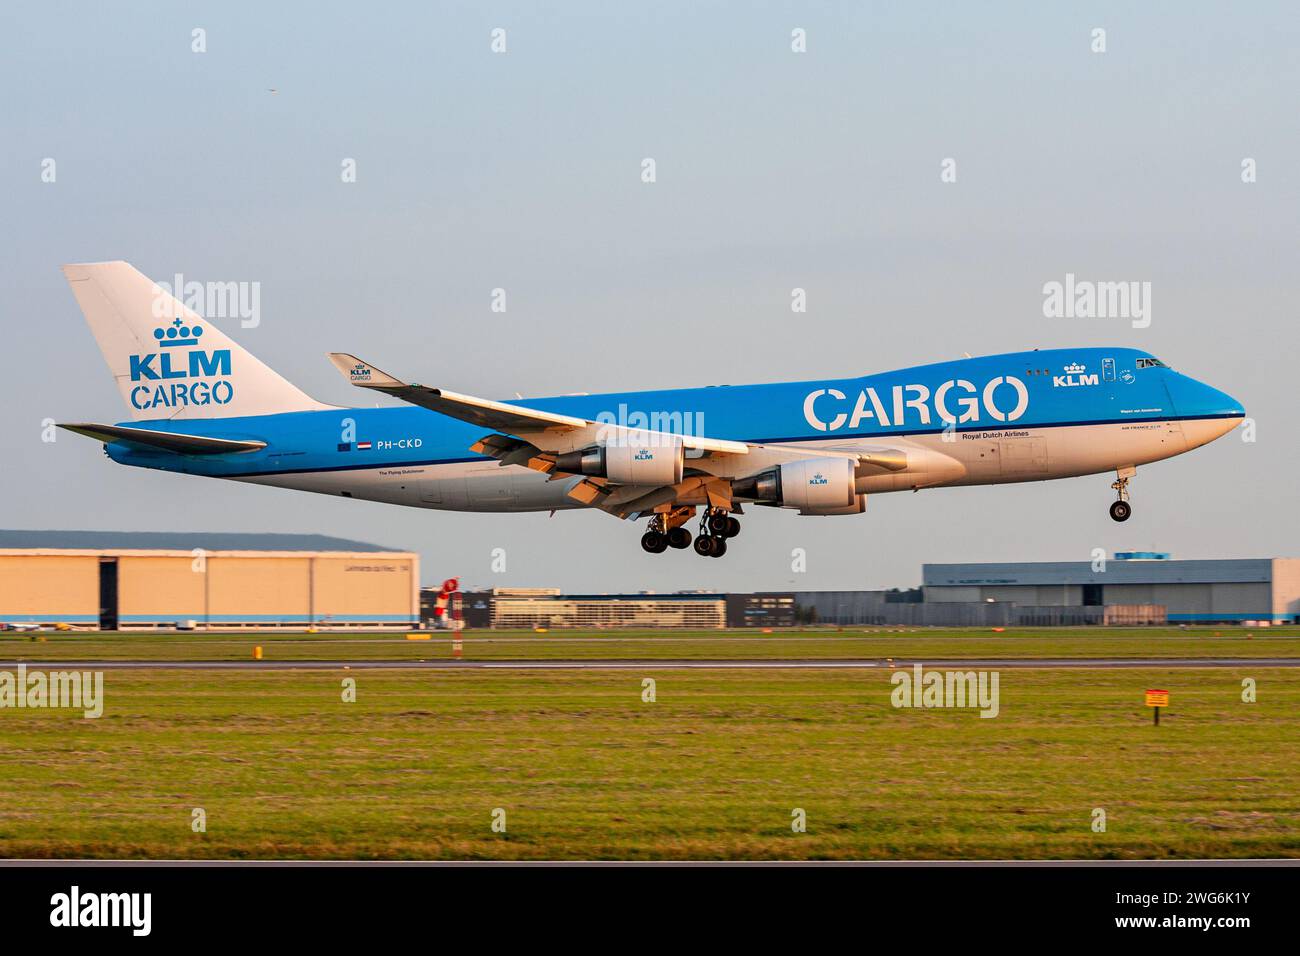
<point>205,374</point>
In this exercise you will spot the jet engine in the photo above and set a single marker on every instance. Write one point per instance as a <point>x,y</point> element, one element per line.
<point>655,463</point>
<point>813,485</point>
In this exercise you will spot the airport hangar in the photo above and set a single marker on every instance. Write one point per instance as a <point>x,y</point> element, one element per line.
<point>143,580</point>
<point>1219,591</point>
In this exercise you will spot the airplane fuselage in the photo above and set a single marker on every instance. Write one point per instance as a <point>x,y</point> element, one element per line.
<point>1026,416</point>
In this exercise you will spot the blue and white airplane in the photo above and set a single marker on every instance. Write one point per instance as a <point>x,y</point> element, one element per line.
<point>202,405</point>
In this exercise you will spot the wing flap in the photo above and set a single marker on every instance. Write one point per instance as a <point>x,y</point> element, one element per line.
<point>514,451</point>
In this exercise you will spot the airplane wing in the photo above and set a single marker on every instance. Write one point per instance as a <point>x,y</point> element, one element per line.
<point>476,411</point>
<point>547,442</point>
<point>163,441</point>
<point>501,416</point>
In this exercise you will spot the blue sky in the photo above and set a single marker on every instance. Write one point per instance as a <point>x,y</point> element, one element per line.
<point>774,170</point>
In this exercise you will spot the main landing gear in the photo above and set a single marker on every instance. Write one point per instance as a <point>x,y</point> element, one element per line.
<point>656,542</point>
<point>669,531</point>
<point>715,528</point>
<point>1120,509</point>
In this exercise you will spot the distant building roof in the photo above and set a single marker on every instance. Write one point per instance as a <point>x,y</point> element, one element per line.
<point>177,541</point>
<point>1222,571</point>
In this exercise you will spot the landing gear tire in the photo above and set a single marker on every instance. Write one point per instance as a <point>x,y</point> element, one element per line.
<point>719,547</point>
<point>720,525</point>
<point>679,538</point>
<point>654,542</point>
<point>1120,509</point>
<point>705,546</point>
<point>733,527</point>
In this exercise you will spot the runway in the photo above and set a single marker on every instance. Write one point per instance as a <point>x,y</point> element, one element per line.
<point>981,663</point>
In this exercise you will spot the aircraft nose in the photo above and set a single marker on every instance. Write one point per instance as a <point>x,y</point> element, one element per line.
<point>1206,412</point>
<point>1193,399</point>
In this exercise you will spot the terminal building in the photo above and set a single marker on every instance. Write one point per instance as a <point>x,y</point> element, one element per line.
<point>146,580</point>
<point>548,607</point>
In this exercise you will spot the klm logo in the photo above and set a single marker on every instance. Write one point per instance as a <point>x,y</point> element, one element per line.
<point>198,365</point>
<point>817,479</point>
<point>644,454</point>
<point>168,367</point>
<point>1074,377</point>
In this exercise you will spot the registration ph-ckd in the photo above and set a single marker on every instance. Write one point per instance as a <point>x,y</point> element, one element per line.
<point>75,908</point>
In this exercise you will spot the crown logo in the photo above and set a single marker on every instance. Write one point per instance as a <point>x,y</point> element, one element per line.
<point>177,334</point>
<point>1074,368</point>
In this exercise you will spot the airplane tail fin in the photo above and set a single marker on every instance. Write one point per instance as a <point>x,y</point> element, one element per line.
<point>168,362</point>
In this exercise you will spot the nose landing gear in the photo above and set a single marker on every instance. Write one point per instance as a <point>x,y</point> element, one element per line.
<point>1120,509</point>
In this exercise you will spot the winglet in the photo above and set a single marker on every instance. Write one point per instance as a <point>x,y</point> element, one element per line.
<point>362,373</point>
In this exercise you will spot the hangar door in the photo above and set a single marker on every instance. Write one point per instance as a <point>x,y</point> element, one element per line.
<point>108,594</point>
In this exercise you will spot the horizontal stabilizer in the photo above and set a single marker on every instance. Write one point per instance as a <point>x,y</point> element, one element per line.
<point>164,441</point>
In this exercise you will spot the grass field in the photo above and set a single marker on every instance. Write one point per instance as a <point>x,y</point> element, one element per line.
<point>815,644</point>
<point>712,769</point>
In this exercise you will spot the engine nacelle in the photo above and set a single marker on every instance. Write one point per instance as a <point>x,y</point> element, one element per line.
<point>656,463</point>
<point>818,483</point>
<point>858,506</point>
<point>813,485</point>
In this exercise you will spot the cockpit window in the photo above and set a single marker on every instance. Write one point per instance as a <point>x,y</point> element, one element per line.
<point>1150,363</point>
